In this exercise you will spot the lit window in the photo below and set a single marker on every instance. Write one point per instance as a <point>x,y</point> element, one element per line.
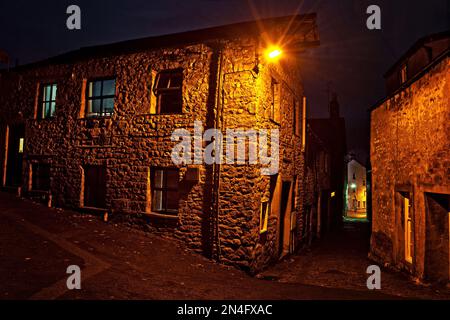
<point>168,90</point>
<point>165,191</point>
<point>403,74</point>
<point>21,142</point>
<point>47,105</point>
<point>100,97</point>
<point>264,216</point>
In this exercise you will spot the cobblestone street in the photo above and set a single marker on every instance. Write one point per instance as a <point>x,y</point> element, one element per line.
<point>340,261</point>
<point>37,244</point>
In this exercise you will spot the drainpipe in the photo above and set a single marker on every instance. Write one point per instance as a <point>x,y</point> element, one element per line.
<point>216,166</point>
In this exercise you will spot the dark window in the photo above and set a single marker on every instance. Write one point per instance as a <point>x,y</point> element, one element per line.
<point>47,105</point>
<point>40,176</point>
<point>168,90</point>
<point>100,97</point>
<point>95,186</point>
<point>165,190</point>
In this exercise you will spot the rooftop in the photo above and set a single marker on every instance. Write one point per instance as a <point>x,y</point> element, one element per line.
<point>303,26</point>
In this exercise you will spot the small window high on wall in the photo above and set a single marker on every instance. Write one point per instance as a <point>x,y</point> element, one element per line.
<point>100,97</point>
<point>47,104</point>
<point>165,197</point>
<point>168,91</point>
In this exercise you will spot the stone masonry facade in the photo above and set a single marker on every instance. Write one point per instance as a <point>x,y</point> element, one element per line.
<point>226,83</point>
<point>410,158</point>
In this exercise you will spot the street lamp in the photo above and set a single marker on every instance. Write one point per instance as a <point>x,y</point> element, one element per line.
<point>273,53</point>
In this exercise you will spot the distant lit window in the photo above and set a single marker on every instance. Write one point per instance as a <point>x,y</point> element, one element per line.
<point>100,97</point>
<point>275,103</point>
<point>264,216</point>
<point>353,185</point>
<point>403,73</point>
<point>47,105</point>
<point>165,195</point>
<point>168,90</point>
<point>21,142</point>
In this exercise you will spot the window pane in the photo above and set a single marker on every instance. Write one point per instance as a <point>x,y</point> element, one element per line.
<point>94,106</point>
<point>109,87</point>
<point>172,179</point>
<point>108,106</point>
<point>157,200</point>
<point>158,183</point>
<point>95,89</point>
<point>46,109</point>
<point>52,108</point>
<point>163,80</point>
<point>54,87</point>
<point>176,79</point>
<point>172,201</point>
<point>170,102</point>
<point>47,93</point>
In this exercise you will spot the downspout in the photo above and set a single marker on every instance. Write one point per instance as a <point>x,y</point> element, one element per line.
<point>216,166</point>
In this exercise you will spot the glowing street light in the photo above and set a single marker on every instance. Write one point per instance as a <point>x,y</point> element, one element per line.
<point>353,186</point>
<point>273,53</point>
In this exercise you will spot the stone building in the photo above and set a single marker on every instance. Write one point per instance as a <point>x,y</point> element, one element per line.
<point>410,159</point>
<point>331,131</point>
<point>92,130</point>
<point>318,215</point>
<point>356,190</point>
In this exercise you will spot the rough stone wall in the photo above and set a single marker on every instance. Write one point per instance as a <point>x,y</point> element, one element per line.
<point>410,151</point>
<point>133,140</point>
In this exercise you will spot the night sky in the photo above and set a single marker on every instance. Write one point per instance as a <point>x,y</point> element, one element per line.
<point>351,58</point>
